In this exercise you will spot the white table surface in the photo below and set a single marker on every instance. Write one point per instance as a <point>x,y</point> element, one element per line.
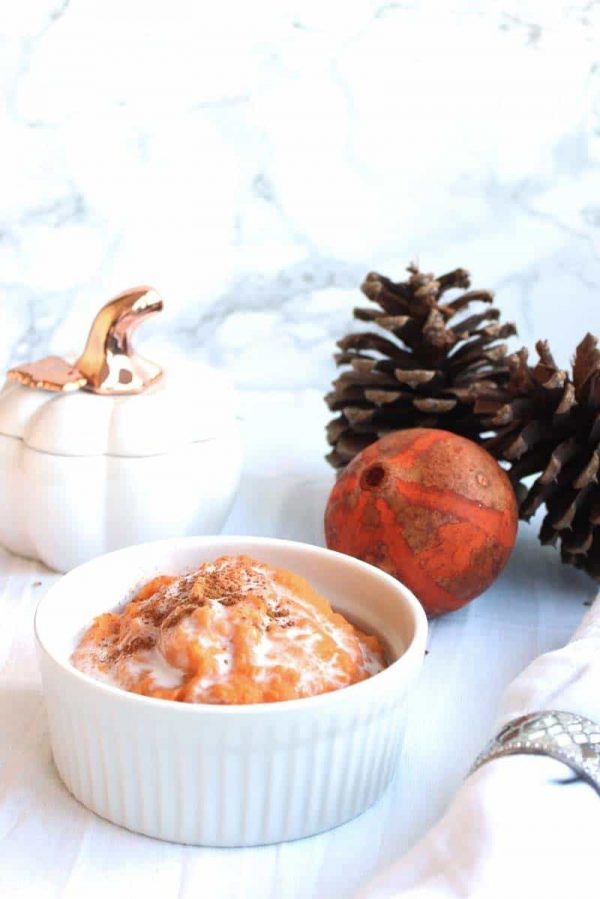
<point>50,846</point>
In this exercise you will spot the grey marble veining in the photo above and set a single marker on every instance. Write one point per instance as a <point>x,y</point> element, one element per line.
<point>253,162</point>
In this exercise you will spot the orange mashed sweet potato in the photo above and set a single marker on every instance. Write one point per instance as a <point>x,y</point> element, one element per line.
<point>234,631</point>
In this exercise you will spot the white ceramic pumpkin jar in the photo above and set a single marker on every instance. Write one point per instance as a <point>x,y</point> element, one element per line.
<point>110,451</point>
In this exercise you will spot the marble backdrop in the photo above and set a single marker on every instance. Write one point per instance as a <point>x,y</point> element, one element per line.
<point>253,160</point>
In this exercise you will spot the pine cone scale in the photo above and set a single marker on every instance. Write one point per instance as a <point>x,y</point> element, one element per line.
<point>588,474</point>
<point>414,377</point>
<point>460,277</point>
<point>559,457</point>
<point>382,397</point>
<point>370,341</point>
<point>471,325</point>
<point>435,405</point>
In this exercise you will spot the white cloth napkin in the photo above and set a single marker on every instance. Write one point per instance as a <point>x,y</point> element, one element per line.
<point>518,827</point>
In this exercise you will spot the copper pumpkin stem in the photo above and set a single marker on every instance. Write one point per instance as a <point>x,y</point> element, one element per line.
<point>109,363</point>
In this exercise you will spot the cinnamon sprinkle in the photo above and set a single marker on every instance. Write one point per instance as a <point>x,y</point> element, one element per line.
<point>226,584</point>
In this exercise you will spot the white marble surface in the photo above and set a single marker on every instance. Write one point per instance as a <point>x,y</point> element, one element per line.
<point>253,161</point>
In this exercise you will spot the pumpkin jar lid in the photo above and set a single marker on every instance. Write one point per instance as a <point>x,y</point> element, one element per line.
<point>191,402</point>
<point>111,401</point>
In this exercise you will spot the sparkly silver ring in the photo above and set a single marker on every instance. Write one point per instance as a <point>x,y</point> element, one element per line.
<point>565,736</point>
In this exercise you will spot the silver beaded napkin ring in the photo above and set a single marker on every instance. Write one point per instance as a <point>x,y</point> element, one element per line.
<point>565,736</point>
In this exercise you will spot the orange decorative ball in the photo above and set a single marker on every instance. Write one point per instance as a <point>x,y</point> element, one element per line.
<point>431,508</point>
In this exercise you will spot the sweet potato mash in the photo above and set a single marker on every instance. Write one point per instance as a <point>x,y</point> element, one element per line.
<point>234,631</point>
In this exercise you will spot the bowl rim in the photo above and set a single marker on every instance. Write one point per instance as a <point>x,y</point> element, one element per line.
<point>321,701</point>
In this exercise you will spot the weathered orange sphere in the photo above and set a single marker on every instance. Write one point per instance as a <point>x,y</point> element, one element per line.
<point>431,508</point>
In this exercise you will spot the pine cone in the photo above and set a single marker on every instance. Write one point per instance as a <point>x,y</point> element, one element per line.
<point>549,425</point>
<point>415,370</point>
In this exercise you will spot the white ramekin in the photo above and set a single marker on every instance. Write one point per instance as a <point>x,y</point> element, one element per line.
<point>227,775</point>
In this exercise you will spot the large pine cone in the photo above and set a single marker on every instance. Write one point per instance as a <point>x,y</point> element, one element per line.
<point>549,425</point>
<point>424,365</point>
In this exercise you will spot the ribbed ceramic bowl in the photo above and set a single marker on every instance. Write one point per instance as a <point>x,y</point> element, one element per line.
<point>227,775</point>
